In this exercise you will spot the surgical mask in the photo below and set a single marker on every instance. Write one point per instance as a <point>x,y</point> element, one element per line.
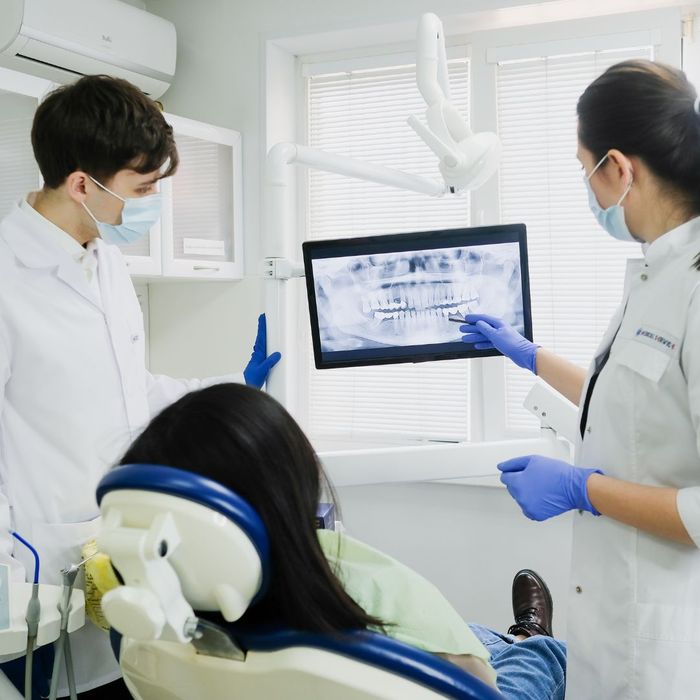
<point>139,215</point>
<point>611,219</point>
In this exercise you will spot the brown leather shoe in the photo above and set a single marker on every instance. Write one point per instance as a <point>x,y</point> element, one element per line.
<point>532,605</point>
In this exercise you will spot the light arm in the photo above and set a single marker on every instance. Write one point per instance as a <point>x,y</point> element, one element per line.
<point>467,160</point>
<point>284,154</point>
<point>431,67</point>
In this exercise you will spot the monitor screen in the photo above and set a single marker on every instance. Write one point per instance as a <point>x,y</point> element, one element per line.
<point>401,297</point>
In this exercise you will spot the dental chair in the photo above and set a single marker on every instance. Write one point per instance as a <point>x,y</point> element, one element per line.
<point>193,556</point>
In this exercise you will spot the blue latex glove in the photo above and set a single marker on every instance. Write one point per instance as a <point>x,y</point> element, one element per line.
<point>545,487</point>
<point>487,332</point>
<point>260,364</point>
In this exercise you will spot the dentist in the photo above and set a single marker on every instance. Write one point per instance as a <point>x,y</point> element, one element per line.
<point>634,604</point>
<point>74,388</point>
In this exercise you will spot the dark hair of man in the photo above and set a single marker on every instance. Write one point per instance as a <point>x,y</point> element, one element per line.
<point>647,110</point>
<point>100,125</point>
<point>246,441</point>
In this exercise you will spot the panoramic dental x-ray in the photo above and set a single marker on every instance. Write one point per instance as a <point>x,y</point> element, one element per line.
<point>397,304</point>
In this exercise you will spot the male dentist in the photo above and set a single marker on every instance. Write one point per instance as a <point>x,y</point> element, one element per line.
<point>74,388</point>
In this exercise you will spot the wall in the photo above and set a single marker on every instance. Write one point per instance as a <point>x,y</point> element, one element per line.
<point>468,540</point>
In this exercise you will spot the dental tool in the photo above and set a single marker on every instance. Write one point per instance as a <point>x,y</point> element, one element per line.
<point>63,648</point>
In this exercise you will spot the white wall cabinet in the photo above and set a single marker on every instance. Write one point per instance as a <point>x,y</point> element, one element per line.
<point>200,235</point>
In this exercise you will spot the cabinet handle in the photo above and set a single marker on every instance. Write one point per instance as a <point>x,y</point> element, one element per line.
<point>211,268</point>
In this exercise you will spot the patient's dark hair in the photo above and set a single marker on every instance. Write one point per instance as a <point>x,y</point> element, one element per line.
<point>246,441</point>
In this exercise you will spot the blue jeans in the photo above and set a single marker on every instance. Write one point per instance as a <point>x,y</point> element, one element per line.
<point>534,669</point>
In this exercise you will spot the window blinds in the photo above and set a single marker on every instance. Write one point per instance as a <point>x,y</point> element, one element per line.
<point>576,269</point>
<point>202,194</point>
<point>363,114</point>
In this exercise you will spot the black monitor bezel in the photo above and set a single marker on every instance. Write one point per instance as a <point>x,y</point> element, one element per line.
<point>420,240</point>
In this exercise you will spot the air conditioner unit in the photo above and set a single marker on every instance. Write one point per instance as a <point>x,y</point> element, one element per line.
<point>63,39</point>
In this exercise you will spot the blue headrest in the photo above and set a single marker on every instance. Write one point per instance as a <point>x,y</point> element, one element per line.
<point>196,488</point>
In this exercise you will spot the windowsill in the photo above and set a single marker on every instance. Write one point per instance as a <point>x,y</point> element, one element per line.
<point>420,462</point>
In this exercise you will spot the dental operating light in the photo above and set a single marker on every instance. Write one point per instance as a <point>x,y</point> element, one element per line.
<point>467,160</point>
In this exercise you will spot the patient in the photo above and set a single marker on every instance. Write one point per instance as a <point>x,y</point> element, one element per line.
<point>328,583</point>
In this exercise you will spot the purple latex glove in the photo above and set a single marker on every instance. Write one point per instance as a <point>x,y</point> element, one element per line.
<point>256,371</point>
<point>487,332</point>
<point>545,487</point>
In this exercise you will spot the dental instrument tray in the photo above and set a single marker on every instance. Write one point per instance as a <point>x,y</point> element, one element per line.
<point>394,298</point>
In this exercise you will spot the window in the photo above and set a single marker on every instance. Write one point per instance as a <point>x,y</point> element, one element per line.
<point>362,114</point>
<point>576,268</point>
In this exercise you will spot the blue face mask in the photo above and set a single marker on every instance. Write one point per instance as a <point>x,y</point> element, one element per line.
<point>611,219</point>
<point>139,215</point>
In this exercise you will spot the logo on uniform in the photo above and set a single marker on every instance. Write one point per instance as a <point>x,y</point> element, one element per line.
<point>657,340</point>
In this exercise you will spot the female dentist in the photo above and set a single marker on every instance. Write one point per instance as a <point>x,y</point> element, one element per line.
<point>634,603</point>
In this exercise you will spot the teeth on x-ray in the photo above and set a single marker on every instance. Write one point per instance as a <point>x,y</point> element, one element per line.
<point>406,298</point>
<point>400,300</point>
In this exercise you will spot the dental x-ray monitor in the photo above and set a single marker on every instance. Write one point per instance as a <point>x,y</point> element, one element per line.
<point>402,298</point>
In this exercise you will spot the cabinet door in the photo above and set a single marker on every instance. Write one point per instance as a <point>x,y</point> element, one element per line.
<point>202,226</point>
<point>19,173</point>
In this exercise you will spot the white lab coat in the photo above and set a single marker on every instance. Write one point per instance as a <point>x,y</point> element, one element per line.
<point>74,391</point>
<point>634,606</point>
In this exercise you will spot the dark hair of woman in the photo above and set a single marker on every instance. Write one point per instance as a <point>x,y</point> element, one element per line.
<point>246,441</point>
<point>647,110</point>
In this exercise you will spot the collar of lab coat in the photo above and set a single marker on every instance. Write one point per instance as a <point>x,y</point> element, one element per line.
<point>36,248</point>
<point>64,240</point>
<point>675,240</point>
